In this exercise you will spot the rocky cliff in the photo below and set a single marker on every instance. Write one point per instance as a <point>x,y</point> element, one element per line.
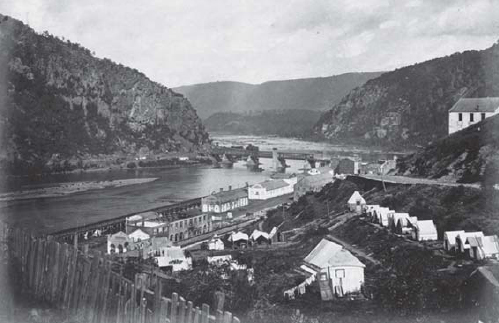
<point>408,107</point>
<point>302,94</point>
<point>59,101</point>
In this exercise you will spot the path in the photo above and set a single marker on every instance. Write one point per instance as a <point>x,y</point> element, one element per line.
<point>412,180</point>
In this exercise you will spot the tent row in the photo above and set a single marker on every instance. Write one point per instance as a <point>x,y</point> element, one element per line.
<point>241,240</point>
<point>474,245</point>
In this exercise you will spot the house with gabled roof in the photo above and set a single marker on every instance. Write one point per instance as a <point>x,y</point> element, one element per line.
<point>338,272</point>
<point>468,111</point>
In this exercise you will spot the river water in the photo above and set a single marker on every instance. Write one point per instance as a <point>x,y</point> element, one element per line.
<point>175,184</point>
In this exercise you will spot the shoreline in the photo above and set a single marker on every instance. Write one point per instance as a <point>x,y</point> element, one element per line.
<point>64,189</point>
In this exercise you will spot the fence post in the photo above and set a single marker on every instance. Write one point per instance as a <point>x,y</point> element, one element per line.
<point>205,314</point>
<point>190,315</point>
<point>181,310</point>
<point>173,312</point>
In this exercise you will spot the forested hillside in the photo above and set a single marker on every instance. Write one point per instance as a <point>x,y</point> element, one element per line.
<point>60,102</point>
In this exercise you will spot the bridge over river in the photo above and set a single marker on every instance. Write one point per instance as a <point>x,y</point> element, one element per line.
<point>279,157</point>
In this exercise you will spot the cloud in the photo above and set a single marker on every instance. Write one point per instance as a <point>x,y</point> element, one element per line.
<point>180,42</point>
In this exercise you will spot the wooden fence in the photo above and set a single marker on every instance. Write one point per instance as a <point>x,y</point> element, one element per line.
<point>85,285</point>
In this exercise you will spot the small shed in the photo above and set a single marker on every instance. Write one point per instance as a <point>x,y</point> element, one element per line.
<point>260,237</point>
<point>239,239</point>
<point>215,243</point>
<point>425,230</point>
<point>356,202</point>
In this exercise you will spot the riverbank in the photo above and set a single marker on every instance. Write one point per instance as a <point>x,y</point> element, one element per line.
<point>62,189</point>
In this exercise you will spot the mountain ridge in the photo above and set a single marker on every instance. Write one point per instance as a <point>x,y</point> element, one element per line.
<point>315,93</point>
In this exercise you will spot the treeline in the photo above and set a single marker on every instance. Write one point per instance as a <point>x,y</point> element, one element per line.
<point>285,123</point>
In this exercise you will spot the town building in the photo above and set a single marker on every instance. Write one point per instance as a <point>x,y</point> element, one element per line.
<point>174,258</point>
<point>468,111</point>
<point>290,178</point>
<point>118,243</point>
<point>450,244</point>
<point>337,271</point>
<point>138,235</point>
<point>356,203</point>
<point>311,183</point>
<point>224,201</point>
<point>347,166</point>
<point>269,189</point>
<point>425,230</point>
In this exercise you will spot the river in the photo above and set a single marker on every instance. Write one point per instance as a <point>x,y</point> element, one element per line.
<point>47,215</point>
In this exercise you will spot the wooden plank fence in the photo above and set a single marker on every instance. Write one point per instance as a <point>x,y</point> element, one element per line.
<point>84,284</point>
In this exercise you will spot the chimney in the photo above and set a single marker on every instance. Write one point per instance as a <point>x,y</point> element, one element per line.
<point>247,184</point>
<point>221,189</point>
<point>230,187</point>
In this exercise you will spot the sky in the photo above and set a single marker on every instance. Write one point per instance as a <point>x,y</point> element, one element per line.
<point>180,42</point>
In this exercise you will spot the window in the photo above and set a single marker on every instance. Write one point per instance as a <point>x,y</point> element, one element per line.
<point>339,273</point>
<point>176,225</point>
<point>472,117</point>
<point>181,224</point>
<point>323,277</point>
<point>483,116</point>
<point>204,217</point>
<point>460,117</point>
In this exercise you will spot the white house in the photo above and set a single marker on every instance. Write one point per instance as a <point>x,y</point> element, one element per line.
<point>356,202</point>
<point>174,256</point>
<point>238,239</point>
<point>450,240</point>
<point>382,215</point>
<point>269,189</point>
<point>215,243</point>
<point>468,111</point>
<point>118,243</point>
<point>425,230</point>
<point>139,235</point>
<point>339,273</point>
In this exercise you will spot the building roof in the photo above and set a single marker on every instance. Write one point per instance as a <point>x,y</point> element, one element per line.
<point>138,232</point>
<point>227,196</point>
<point>330,254</point>
<point>356,197</point>
<point>476,105</point>
<point>488,274</point>
<point>271,185</point>
<point>174,252</point>
<point>426,227</point>
<point>257,234</point>
<point>236,236</point>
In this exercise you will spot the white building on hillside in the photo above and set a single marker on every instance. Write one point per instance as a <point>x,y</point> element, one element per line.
<point>425,230</point>
<point>338,272</point>
<point>468,111</point>
<point>356,202</point>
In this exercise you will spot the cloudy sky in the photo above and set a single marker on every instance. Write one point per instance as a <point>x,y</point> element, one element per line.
<point>179,42</point>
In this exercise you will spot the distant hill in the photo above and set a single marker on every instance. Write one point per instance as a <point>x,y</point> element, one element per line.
<point>408,107</point>
<point>302,94</point>
<point>61,104</point>
<point>284,123</point>
<point>469,155</point>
